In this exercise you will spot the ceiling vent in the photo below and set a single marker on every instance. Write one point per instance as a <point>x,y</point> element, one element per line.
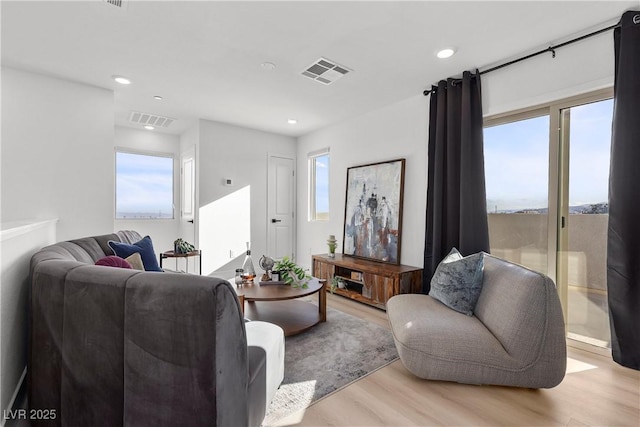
<point>150,119</point>
<point>122,4</point>
<point>325,71</point>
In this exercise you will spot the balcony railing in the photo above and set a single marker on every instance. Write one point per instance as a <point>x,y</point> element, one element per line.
<point>522,238</point>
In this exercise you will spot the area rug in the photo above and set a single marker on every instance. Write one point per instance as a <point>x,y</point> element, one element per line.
<point>328,357</point>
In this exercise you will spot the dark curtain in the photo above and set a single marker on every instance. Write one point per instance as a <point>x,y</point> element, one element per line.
<point>623,250</point>
<point>456,196</point>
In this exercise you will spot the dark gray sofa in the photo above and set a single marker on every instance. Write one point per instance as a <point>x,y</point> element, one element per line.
<point>112,346</point>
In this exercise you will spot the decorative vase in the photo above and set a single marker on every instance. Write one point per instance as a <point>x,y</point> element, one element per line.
<point>249,270</point>
<point>332,243</point>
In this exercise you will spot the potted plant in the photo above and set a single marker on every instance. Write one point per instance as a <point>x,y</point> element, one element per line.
<point>181,246</point>
<point>337,282</point>
<point>332,243</point>
<point>291,273</point>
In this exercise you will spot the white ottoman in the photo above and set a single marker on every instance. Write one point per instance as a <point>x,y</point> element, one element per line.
<point>271,338</point>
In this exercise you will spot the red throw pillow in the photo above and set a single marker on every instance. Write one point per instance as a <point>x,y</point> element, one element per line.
<point>113,261</point>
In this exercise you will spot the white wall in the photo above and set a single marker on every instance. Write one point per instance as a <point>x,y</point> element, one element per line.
<point>162,231</point>
<point>57,162</point>
<point>189,140</point>
<point>577,68</point>
<point>396,131</point>
<point>401,130</point>
<point>57,153</point>
<point>19,241</point>
<point>231,215</point>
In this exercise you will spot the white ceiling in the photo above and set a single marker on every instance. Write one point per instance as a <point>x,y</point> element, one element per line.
<point>205,57</point>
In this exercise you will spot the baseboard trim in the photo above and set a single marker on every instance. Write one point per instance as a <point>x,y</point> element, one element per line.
<point>601,351</point>
<point>18,392</point>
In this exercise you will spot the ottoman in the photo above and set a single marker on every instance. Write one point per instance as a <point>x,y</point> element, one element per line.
<point>270,338</point>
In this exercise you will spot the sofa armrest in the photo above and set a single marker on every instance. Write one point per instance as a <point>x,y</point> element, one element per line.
<point>522,310</point>
<point>257,387</point>
<point>185,352</point>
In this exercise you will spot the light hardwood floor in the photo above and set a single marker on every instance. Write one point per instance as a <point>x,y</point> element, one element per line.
<point>595,392</point>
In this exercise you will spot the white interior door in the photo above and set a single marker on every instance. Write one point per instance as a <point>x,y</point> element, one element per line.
<point>188,194</point>
<point>280,207</point>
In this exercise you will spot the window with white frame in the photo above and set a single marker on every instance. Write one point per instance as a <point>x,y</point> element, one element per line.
<point>319,185</point>
<point>144,185</point>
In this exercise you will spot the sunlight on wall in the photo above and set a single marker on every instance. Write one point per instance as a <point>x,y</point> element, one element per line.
<point>225,229</point>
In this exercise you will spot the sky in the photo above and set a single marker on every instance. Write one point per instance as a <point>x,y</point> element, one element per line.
<point>517,159</point>
<point>322,183</point>
<point>144,185</point>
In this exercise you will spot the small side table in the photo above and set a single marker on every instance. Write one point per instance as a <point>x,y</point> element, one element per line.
<point>186,256</point>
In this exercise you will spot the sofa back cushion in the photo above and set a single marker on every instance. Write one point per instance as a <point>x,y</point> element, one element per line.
<point>87,250</point>
<point>96,247</point>
<point>514,306</point>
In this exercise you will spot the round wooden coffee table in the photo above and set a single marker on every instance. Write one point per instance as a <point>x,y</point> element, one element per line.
<point>279,304</point>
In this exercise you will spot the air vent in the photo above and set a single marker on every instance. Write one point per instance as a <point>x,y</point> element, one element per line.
<point>325,71</point>
<point>150,119</point>
<point>122,4</point>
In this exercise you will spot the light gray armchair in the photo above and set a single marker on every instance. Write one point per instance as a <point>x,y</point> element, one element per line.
<point>516,336</point>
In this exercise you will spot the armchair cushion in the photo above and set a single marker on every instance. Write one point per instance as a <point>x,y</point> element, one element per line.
<point>457,282</point>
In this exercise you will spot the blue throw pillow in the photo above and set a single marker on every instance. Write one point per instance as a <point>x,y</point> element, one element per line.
<point>457,282</point>
<point>144,247</point>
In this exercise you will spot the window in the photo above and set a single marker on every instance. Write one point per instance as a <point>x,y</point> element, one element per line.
<point>319,185</point>
<point>144,186</point>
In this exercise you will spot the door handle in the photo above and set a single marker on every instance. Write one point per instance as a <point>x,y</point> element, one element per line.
<point>191,221</point>
<point>273,220</point>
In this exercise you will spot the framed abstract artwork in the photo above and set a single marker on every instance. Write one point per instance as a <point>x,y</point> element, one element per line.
<point>373,211</point>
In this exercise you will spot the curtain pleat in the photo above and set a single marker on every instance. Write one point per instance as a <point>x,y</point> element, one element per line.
<point>456,197</point>
<point>623,245</point>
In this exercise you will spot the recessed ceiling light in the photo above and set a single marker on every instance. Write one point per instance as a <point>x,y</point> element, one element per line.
<point>446,53</point>
<point>149,127</point>
<point>122,80</point>
<point>268,66</point>
<point>292,121</point>
<point>158,97</point>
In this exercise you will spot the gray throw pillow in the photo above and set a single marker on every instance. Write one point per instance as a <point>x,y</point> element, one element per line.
<point>457,281</point>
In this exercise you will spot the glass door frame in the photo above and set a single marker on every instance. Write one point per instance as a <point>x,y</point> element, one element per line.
<point>558,182</point>
<point>552,192</point>
<point>561,142</point>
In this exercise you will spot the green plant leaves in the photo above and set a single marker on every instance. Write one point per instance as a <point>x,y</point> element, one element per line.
<point>182,247</point>
<point>291,273</point>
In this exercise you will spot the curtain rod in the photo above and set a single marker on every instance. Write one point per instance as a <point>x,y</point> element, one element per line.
<point>551,49</point>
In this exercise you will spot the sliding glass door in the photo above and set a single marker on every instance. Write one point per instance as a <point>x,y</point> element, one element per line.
<point>584,212</point>
<point>547,172</point>
<point>517,181</point>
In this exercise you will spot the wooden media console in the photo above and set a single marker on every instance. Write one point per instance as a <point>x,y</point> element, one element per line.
<point>367,281</point>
